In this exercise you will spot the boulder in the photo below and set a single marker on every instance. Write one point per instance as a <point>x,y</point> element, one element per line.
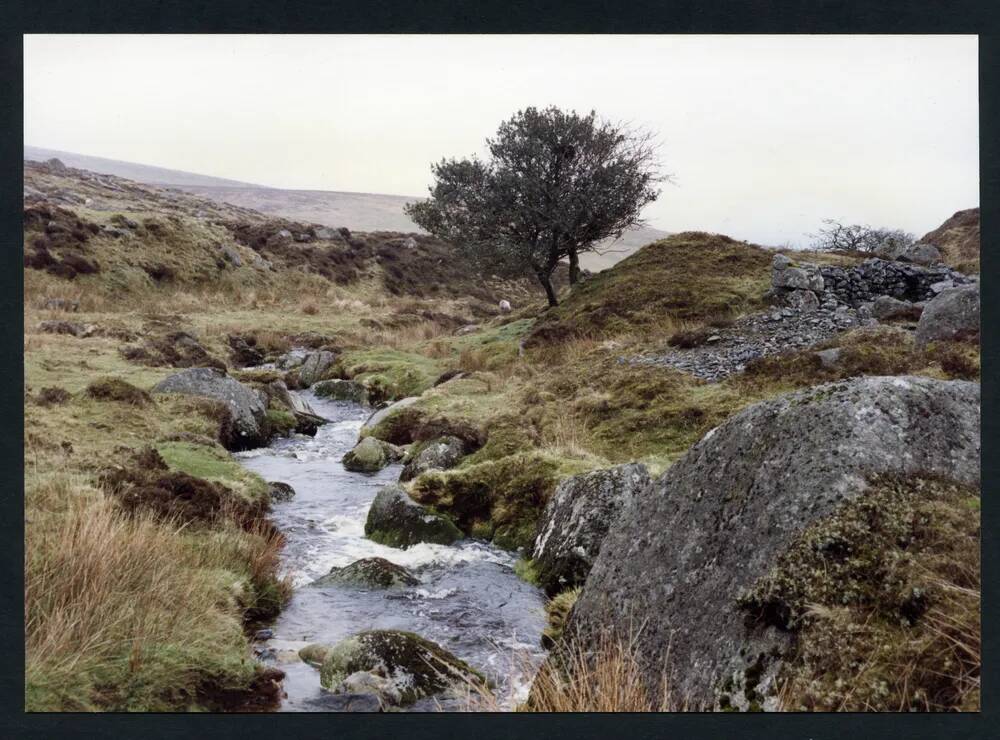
<point>918,253</point>
<point>410,667</point>
<point>280,491</point>
<point>371,455</point>
<point>396,520</point>
<point>314,654</point>
<point>246,409</point>
<point>315,367</point>
<point>307,421</point>
<point>438,454</point>
<point>829,357</point>
<point>382,414</point>
<point>290,360</point>
<point>785,276</point>
<point>678,559</point>
<point>887,308</point>
<point>342,390</point>
<point>952,314</point>
<point>576,520</point>
<point>368,573</point>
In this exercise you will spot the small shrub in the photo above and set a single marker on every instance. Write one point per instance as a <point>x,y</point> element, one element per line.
<point>52,395</point>
<point>116,389</point>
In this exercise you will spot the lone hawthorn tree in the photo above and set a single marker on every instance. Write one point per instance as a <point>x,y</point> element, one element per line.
<point>555,185</point>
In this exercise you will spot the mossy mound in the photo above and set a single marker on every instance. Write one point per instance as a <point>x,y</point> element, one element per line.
<point>557,611</point>
<point>371,455</point>
<point>499,500</point>
<point>692,276</point>
<point>116,389</point>
<point>368,573</point>
<point>884,600</point>
<point>416,667</point>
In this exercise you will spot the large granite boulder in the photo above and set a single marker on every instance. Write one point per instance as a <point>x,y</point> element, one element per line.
<point>396,520</point>
<point>789,276</point>
<point>918,253</point>
<point>577,519</point>
<point>952,314</point>
<point>438,454</point>
<point>368,573</point>
<point>371,455</point>
<point>679,559</point>
<point>887,308</point>
<point>399,667</point>
<point>246,408</point>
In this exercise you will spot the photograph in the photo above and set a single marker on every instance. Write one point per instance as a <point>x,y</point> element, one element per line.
<point>500,373</point>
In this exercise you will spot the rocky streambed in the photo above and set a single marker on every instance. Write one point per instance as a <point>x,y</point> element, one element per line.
<point>464,597</point>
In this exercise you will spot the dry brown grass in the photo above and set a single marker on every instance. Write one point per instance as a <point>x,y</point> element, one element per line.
<point>117,613</point>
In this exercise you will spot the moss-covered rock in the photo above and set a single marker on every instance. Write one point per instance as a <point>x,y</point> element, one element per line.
<point>436,454</point>
<point>415,667</point>
<point>314,654</point>
<point>371,455</point>
<point>341,390</point>
<point>396,520</point>
<point>368,573</point>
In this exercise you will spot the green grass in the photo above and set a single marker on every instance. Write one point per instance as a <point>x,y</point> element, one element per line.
<point>391,374</point>
<point>213,464</point>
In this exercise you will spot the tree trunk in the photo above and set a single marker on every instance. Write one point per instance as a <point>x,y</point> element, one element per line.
<point>574,267</point>
<point>545,278</point>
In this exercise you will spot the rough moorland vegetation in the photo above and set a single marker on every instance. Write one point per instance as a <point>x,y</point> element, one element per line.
<point>149,554</point>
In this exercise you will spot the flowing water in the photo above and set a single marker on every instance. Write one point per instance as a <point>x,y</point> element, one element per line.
<point>469,599</point>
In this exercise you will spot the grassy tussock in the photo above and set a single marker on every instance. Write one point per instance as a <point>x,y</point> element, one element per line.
<point>122,612</point>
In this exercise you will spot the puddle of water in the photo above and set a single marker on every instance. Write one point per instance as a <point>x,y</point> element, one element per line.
<point>468,600</point>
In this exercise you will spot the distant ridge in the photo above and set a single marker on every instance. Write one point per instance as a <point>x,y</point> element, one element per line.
<point>357,211</point>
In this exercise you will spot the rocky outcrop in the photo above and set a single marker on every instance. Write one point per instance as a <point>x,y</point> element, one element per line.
<point>246,409</point>
<point>576,520</point>
<point>316,367</point>
<point>438,454</point>
<point>953,314</point>
<point>399,667</point>
<point>371,455</point>
<point>396,520</point>
<point>368,573</point>
<point>342,390</point>
<point>382,414</point>
<point>678,560</point>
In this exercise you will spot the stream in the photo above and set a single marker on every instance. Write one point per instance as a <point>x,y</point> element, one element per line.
<point>469,599</point>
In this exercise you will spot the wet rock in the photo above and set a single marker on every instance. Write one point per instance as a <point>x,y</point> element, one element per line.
<point>246,409</point>
<point>576,520</point>
<point>342,390</point>
<point>679,558</point>
<point>264,634</point>
<point>887,308</point>
<point>371,455</point>
<point>410,666</point>
<point>316,367</point>
<point>368,573</point>
<point>307,421</point>
<point>438,454</point>
<point>396,520</point>
<point>280,491</point>
<point>327,702</point>
<point>953,314</point>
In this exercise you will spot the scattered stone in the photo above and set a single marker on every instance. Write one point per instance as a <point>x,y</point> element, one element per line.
<point>576,520</point>
<point>67,327</point>
<point>467,329</point>
<point>396,520</point>
<point>438,454</point>
<point>678,559</point>
<point>368,573</point>
<point>61,304</point>
<point>952,314</point>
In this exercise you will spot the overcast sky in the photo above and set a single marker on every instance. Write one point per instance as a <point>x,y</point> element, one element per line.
<point>765,135</point>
